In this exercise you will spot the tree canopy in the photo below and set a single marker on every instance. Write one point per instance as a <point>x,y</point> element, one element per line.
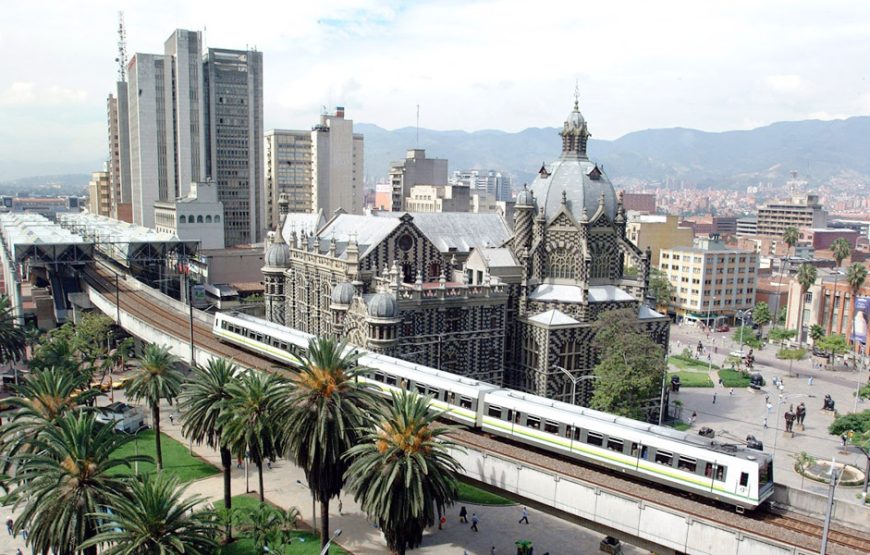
<point>631,365</point>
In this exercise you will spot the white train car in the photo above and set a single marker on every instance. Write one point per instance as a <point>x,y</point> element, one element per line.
<point>732,474</point>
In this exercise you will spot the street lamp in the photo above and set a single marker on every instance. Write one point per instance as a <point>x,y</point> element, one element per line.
<point>834,477</point>
<point>709,314</point>
<point>325,549</point>
<point>574,381</point>
<point>743,314</point>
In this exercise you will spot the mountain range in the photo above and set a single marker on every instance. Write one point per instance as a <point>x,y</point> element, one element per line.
<point>821,151</point>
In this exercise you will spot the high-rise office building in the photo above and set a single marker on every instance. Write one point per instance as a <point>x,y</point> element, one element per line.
<point>490,183</point>
<point>799,211</point>
<point>119,154</point>
<point>414,170</point>
<point>234,127</point>
<point>193,117</point>
<point>288,171</point>
<point>337,165</point>
<point>99,194</point>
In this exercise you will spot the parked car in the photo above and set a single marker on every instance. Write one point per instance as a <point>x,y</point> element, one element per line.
<point>723,327</point>
<point>126,418</point>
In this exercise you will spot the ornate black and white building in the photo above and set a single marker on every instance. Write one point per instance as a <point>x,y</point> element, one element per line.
<point>466,293</point>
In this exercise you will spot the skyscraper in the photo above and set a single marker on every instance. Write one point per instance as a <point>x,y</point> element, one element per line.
<point>337,165</point>
<point>119,153</point>
<point>193,117</point>
<point>234,127</point>
<point>288,171</point>
<point>415,169</point>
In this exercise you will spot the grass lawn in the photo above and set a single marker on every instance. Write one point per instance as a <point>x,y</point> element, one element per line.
<point>176,458</point>
<point>681,426</point>
<point>472,494</point>
<point>689,363</point>
<point>693,379</point>
<point>303,543</point>
<point>733,378</point>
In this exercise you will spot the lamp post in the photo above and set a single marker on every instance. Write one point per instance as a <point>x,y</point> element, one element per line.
<point>834,477</point>
<point>742,314</point>
<point>313,511</point>
<point>709,314</point>
<point>574,381</point>
<point>325,549</point>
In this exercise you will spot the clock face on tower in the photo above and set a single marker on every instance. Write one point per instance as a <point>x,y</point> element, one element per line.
<point>406,242</point>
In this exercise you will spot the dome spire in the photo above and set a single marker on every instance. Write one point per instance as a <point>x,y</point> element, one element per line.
<point>575,133</point>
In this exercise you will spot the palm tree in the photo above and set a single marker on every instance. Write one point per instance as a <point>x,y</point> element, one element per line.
<point>248,418</point>
<point>790,237</point>
<point>42,398</point>
<point>806,277</point>
<point>12,339</point>
<point>324,416</point>
<point>32,334</point>
<point>203,399</point>
<point>152,517</point>
<point>856,275</point>
<point>841,249</point>
<point>402,473</point>
<point>817,332</point>
<point>69,474</point>
<point>156,379</point>
<point>56,352</point>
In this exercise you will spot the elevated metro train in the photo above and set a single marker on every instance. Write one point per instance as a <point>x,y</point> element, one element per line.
<point>731,474</point>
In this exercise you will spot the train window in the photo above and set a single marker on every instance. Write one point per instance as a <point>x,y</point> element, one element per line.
<point>594,439</point>
<point>391,380</point>
<point>744,479</point>
<point>708,470</point>
<point>721,473</point>
<point>494,411</point>
<point>465,402</point>
<point>436,393</point>
<point>517,416</point>
<point>687,464</point>
<point>765,473</point>
<point>577,432</point>
<point>551,427</point>
<point>614,444</point>
<point>533,422</point>
<point>634,449</point>
<point>644,453</point>
<point>568,431</point>
<point>663,457</point>
<point>379,377</point>
<point>421,389</point>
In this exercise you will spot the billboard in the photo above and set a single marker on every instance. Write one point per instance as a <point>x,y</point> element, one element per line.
<point>859,323</point>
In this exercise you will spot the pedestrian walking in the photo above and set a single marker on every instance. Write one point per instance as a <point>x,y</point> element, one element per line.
<point>767,399</point>
<point>769,408</point>
<point>731,392</point>
<point>463,514</point>
<point>18,551</point>
<point>525,517</point>
<point>238,461</point>
<point>10,524</point>
<point>694,417</point>
<point>441,522</point>
<point>340,506</point>
<point>714,398</point>
<point>842,437</point>
<point>492,550</point>
<point>474,521</point>
<point>764,422</point>
<point>810,381</point>
<point>24,534</point>
<point>171,418</point>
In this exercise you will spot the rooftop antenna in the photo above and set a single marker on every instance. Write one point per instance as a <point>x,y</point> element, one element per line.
<point>418,126</point>
<point>122,49</point>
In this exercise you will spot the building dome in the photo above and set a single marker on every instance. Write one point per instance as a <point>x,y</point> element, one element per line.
<point>383,305</point>
<point>525,198</point>
<point>278,255</point>
<point>342,293</point>
<point>573,175</point>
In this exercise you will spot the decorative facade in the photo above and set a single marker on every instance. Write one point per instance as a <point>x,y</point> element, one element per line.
<point>465,293</point>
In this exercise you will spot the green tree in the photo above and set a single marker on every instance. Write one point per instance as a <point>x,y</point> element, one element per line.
<point>806,277</point>
<point>834,344</point>
<point>856,275</point>
<point>249,419</point>
<point>32,335</point>
<point>12,338</point>
<point>630,368</point>
<point>761,315</point>
<point>660,288</point>
<point>56,351</point>
<point>402,473</point>
<point>782,335</point>
<point>325,414</point>
<point>855,427</point>
<point>267,526</point>
<point>816,333</point>
<point>66,479</point>
<point>157,379</point>
<point>151,517</point>
<point>790,237</point>
<point>203,400</point>
<point>841,249</point>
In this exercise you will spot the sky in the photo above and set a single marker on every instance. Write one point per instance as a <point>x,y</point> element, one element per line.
<point>469,64</point>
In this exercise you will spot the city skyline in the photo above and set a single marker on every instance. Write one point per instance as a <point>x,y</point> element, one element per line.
<point>471,66</point>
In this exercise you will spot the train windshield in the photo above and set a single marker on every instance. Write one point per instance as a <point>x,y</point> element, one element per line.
<point>765,473</point>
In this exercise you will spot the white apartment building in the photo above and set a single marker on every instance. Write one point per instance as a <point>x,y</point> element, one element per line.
<point>147,121</point>
<point>337,165</point>
<point>800,211</point>
<point>288,171</point>
<point>487,182</point>
<point>438,198</point>
<point>710,279</point>
<point>99,193</point>
<point>415,169</point>
<point>195,217</point>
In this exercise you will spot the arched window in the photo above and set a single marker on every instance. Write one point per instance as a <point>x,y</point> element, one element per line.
<point>208,219</point>
<point>217,219</point>
<point>561,263</point>
<point>199,219</point>
<point>601,266</point>
<point>182,219</point>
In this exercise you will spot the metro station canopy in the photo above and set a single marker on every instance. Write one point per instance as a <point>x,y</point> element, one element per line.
<point>41,241</point>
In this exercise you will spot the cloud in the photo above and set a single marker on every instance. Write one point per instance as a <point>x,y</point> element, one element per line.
<point>785,84</point>
<point>30,94</point>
